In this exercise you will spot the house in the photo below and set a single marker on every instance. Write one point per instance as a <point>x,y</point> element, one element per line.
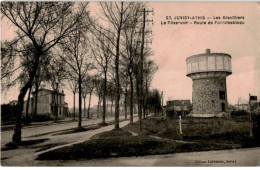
<point>46,103</point>
<point>178,107</point>
<point>13,103</point>
<point>241,107</point>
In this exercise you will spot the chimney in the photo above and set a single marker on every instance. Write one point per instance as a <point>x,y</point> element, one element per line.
<point>207,51</point>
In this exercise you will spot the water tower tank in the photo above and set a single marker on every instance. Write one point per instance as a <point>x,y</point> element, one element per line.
<point>208,72</point>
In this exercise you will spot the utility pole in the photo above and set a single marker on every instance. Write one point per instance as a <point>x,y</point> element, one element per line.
<point>250,117</point>
<point>162,103</point>
<point>141,63</point>
<point>140,68</point>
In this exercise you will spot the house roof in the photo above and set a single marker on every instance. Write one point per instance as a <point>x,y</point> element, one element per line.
<point>49,91</point>
<point>179,102</point>
<point>13,101</point>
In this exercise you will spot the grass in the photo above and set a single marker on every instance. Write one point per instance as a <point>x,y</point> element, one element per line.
<point>85,128</point>
<point>199,128</point>
<point>48,146</point>
<point>11,145</point>
<point>199,134</point>
<point>105,145</point>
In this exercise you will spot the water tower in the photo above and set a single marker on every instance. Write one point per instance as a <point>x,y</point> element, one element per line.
<point>208,72</point>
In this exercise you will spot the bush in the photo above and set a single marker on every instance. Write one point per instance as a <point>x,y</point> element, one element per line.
<point>41,118</point>
<point>27,120</point>
<point>238,113</point>
<point>256,125</point>
<point>8,113</point>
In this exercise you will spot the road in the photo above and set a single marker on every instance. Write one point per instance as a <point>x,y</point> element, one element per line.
<point>50,127</point>
<point>226,158</point>
<point>25,156</point>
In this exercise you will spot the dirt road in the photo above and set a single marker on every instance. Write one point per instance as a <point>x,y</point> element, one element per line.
<point>226,158</point>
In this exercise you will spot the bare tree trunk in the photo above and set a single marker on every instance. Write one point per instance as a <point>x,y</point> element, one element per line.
<point>36,95</point>
<point>17,136</point>
<point>104,99</point>
<point>80,103</point>
<point>74,108</point>
<point>99,100</point>
<point>112,107</point>
<point>125,103</point>
<point>117,68</point>
<point>90,94</point>
<point>84,98</point>
<point>18,124</point>
<point>143,106</point>
<point>56,105</point>
<point>131,99</point>
<point>28,102</point>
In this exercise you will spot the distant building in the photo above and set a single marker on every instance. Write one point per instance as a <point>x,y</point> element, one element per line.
<point>13,103</point>
<point>46,103</point>
<point>178,107</point>
<point>66,109</point>
<point>241,107</point>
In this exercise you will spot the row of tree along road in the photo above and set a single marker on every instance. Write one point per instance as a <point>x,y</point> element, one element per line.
<point>60,43</point>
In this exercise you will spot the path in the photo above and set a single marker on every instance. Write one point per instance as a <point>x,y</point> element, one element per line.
<point>237,157</point>
<point>28,131</point>
<point>25,156</point>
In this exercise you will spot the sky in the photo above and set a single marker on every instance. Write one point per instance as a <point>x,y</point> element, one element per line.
<point>172,44</point>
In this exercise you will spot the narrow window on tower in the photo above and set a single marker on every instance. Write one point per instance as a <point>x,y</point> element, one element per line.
<point>222,107</point>
<point>222,95</point>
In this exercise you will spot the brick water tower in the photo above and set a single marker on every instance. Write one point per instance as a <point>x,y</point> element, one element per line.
<point>208,72</point>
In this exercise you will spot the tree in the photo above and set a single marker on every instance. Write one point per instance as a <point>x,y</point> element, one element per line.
<point>149,70</point>
<point>44,24</point>
<point>88,86</point>
<point>73,86</point>
<point>75,54</point>
<point>111,94</point>
<point>125,91</point>
<point>84,95</point>
<point>9,58</point>
<point>101,50</point>
<point>131,45</point>
<point>154,100</point>
<point>117,15</point>
<point>91,86</point>
<point>99,92</point>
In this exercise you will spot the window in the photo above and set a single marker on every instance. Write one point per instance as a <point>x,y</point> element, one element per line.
<point>222,107</point>
<point>222,95</point>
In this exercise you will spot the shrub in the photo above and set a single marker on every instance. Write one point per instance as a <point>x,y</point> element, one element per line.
<point>238,113</point>
<point>256,125</point>
<point>41,118</point>
<point>8,113</point>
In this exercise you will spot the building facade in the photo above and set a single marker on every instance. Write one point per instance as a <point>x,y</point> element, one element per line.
<point>178,107</point>
<point>208,72</point>
<point>46,103</point>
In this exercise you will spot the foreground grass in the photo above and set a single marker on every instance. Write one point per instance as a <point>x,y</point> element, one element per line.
<point>11,145</point>
<point>120,144</point>
<point>199,135</point>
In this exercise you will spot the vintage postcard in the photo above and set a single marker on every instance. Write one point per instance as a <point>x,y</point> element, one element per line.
<point>130,84</point>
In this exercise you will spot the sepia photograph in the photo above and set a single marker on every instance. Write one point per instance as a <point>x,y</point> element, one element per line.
<point>130,84</point>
